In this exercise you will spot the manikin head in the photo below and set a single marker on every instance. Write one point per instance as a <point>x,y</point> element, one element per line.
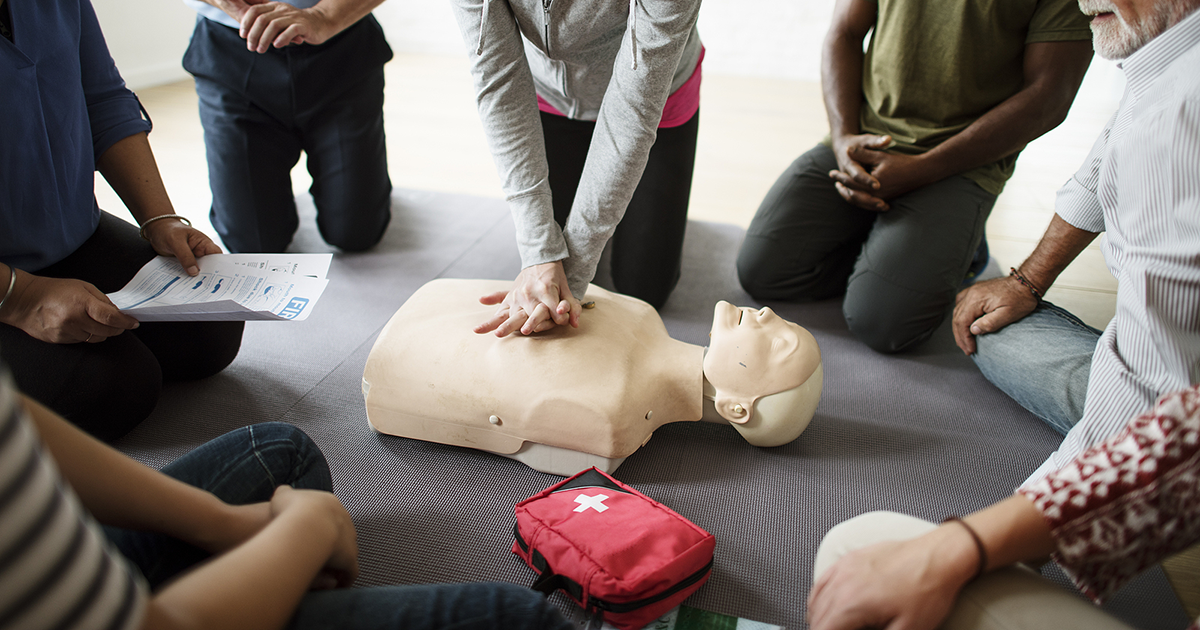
<point>765,372</point>
<point>1121,27</point>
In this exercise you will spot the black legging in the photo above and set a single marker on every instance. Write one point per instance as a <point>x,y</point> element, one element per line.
<point>107,388</point>
<point>647,246</point>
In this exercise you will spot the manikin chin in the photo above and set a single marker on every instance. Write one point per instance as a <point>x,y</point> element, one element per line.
<point>569,398</point>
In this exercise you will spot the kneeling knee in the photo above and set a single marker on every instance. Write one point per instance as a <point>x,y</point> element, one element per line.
<point>887,330</point>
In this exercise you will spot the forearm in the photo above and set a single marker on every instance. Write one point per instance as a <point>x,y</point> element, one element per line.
<point>841,80</point>
<point>1012,531</point>
<point>338,15</point>
<point>257,585</point>
<point>104,480</point>
<point>1060,245</point>
<point>130,169</point>
<point>1053,72</point>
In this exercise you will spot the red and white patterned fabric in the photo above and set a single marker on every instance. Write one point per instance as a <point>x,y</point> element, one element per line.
<point>1129,502</point>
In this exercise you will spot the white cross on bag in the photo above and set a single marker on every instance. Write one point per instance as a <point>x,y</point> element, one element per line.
<point>596,502</point>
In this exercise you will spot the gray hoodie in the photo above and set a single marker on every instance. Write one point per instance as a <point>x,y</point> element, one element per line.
<point>600,60</point>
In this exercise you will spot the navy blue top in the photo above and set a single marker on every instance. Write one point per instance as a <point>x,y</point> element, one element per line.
<point>64,105</point>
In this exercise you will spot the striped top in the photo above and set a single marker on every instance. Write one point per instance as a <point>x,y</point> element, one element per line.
<point>1141,186</point>
<point>56,567</point>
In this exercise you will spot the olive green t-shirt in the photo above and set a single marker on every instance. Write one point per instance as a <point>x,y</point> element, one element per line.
<point>934,66</point>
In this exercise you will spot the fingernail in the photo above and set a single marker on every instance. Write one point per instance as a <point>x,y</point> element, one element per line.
<point>975,330</point>
<point>193,270</point>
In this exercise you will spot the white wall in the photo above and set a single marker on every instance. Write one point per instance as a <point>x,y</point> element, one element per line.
<point>778,38</point>
<point>146,38</point>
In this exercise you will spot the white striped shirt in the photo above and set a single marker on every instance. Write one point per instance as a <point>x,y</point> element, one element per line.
<point>57,569</point>
<point>1141,186</point>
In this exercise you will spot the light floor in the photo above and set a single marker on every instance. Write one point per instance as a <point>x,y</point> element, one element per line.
<point>750,130</point>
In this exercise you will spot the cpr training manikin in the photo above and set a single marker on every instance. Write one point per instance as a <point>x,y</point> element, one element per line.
<point>569,398</point>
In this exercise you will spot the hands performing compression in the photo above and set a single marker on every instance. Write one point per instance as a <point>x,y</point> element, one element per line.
<point>867,176</point>
<point>539,300</point>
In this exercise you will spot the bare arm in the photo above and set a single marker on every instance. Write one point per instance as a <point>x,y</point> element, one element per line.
<point>1053,72</point>
<point>259,584</point>
<point>841,83</point>
<point>130,169</point>
<point>270,553</point>
<point>913,583</point>
<point>989,306</point>
<point>102,477</point>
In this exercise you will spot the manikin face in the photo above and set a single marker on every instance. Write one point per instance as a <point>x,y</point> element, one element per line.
<point>754,353</point>
<point>1121,27</point>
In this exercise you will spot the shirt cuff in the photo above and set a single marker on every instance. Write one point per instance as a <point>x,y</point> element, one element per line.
<point>1080,207</point>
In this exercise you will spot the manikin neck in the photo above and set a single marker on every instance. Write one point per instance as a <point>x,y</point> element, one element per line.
<point>710,396</point>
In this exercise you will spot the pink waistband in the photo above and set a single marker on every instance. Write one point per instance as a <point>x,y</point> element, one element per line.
<point>681,105</point>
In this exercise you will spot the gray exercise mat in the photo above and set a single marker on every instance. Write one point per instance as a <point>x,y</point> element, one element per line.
<point>921,433</point>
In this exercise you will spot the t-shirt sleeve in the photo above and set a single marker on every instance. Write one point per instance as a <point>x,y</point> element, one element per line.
<point>1058,21</point>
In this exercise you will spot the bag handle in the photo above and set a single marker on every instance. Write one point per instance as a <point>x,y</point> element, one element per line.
<point>548,581</point>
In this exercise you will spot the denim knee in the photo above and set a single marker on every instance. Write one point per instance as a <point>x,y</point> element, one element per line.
<point>290,456</point>
<point>1042,362</point>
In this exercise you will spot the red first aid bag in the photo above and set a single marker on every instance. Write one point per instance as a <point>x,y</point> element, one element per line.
<point>619,554</point>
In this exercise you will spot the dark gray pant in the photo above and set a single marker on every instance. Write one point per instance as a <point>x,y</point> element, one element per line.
<point>260,111</point>
<point>647,246</point>
<point>899,270</point>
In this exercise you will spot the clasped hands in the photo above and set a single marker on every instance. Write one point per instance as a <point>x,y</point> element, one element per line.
<point>265,24</point>
<point>867,176</point>
<point>539,300</point>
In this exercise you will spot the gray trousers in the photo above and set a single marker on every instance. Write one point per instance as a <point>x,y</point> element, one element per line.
<point>899,270</point>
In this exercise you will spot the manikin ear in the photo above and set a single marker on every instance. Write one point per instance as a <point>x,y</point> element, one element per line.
<point>735,409</point>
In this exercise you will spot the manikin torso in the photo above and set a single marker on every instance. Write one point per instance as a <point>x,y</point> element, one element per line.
<point>577,396</point>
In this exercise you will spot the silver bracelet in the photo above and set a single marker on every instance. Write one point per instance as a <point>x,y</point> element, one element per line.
<point>142,232</point>
<point>12,282</point>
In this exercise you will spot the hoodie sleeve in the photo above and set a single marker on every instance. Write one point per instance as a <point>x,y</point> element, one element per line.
<point>507,103</point>
<point>654,42</point>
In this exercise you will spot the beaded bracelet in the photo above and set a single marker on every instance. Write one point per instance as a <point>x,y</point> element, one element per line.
<point>983,558</point>
<point>1025,282</point>
<point>142,232</point>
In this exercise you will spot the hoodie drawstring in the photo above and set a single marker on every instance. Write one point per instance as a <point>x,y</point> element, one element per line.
<point>482,26</point>
<point>633,31</point>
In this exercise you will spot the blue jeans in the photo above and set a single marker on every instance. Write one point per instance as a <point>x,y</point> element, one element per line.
<point>245,466</point>
<point>1042,362</point>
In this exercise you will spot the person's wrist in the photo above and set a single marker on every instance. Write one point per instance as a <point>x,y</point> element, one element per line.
<point>14,306</point>
<point>954,556</point>
<point>157,223</point>
<point>325,24</point>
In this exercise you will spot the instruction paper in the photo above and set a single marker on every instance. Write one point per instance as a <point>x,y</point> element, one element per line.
<point>230,287</point>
